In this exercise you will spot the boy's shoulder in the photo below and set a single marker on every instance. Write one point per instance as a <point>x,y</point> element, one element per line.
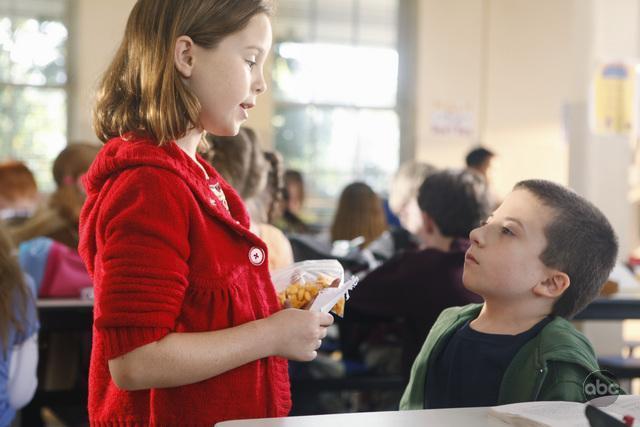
<point>560,341</point>
<point>454,317</point>
<point>560,356</point>
<point>468,311</point>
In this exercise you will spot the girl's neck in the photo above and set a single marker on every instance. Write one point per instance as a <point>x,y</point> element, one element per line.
<point>189,144</point>
<point>508,318</point>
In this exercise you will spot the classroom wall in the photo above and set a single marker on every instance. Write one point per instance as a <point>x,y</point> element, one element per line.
<point>97,28</point>
<point>514,64</point>
<point>450,77</point>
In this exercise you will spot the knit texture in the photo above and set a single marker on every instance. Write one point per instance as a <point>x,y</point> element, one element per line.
<point>166,256</point>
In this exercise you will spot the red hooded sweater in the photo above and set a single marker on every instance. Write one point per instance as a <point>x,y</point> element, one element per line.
<point>166,256</point>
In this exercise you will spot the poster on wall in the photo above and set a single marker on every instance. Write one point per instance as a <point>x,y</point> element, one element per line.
<point>451,120</point>
<point>613,99</point>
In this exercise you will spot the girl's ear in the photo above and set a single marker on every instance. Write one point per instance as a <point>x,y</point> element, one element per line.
<point>554,285</point>
<point>183,56</point>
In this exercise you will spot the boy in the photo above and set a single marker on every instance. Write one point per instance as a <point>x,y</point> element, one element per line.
<point>539,259</point>
<point>418,285</point>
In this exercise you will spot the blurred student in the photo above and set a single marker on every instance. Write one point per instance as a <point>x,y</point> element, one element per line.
<point>479,161</point>
<point>360,213</point>
<point>18,193</point>
<point>403,202</point>
<point>242,163</point>
<point>18,334</point>
<point>417,286</point>
<point>58,219</point>
<point>294,196</point>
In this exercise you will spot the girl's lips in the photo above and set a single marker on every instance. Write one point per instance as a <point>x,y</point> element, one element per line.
<point>245,113</point>
<point>245,107</point>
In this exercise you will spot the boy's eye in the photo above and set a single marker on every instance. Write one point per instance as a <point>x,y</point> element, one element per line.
<point>250,63</point>
<point>506,231</point>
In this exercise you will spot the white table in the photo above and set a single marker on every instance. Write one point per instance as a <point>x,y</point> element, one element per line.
<point>465,417</point>
<point>64,303</point>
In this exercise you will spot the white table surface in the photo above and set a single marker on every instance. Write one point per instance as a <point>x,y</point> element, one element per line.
<point>63,302</point>
<point>464,417</point>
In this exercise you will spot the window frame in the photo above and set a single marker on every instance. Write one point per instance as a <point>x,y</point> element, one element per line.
<point>67,19</point>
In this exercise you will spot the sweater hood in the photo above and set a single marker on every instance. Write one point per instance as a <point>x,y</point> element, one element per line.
<point>123,153</point>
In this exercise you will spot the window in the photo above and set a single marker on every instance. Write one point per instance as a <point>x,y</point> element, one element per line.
<point>335,83</point>
<point>33,83</point>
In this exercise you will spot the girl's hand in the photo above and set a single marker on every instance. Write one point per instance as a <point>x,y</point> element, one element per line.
<point>297,334</point>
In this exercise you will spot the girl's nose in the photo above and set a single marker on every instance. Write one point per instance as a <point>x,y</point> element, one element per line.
<point>260,84</point>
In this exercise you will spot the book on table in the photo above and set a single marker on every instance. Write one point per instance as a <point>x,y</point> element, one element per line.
<point>563,414</point>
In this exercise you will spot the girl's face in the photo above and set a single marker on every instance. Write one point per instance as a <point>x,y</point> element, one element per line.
<point>228,78</point>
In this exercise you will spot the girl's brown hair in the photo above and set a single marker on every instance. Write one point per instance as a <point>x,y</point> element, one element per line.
<point>359,213</point>
<point>13,291</point>
<point>142,91</point>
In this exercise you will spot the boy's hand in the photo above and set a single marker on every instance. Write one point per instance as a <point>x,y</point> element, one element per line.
<point>297,334</point>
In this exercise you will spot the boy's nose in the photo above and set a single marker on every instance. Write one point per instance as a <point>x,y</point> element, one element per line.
<point>476,236</point>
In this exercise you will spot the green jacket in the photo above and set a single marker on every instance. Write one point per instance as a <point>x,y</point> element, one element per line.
<point>551,366</point>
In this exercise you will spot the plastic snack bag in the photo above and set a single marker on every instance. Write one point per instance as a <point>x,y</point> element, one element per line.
<point>316,285</point>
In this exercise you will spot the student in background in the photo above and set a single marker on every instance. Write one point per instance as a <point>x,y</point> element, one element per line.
<point>294,197</point>
<point>273,198</point>
<point>188,328</point>
<point>403,202</point>
<point>359,213</point>
<point>540,258</point>
<point>479,161</point>
<point>241,162</point>
<point>58,219</point>
<point>18,334</point>
<point>18,193</point>
<point>416,286</point>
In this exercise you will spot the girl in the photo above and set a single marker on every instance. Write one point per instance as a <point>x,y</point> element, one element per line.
<point>187,326</point>
<point>18,335</point>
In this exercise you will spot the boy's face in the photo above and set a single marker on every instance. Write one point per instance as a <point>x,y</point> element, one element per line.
<point>503,261</point>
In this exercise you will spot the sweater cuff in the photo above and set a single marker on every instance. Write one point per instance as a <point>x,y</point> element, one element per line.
<point>119,341</point>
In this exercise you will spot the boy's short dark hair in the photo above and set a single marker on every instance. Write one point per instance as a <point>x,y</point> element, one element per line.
<point>455,200</point>
<point>580,243</point>
<point>478,156</point>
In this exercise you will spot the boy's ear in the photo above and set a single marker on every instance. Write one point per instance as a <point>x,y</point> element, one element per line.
<point>427,222</point>
<point>554,285</point>
<point>183,55</point>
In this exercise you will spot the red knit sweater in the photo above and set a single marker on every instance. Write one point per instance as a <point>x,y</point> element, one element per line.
<point>166,256</point>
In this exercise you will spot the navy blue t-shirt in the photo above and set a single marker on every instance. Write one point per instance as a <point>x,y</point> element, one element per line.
<point>468,371</point>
